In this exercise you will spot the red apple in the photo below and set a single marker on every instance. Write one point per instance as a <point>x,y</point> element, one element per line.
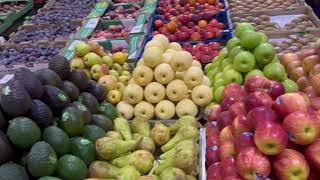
<point>296,73</point>
<point>240,124</point>
<point>212,128</point>
<point>227,102</point>
<point>226,149</point>
<point>261,114</point>
<point>238,108</point>
<point>226,135</point>
<point>312,153</point>
<point>243,141</point>
<point>258,98</point>
<point>276,89</point>
<point>251,164</point>
<point>232,178</point>
<point>291,102</point>
<point>310,92</point>
<point>213,172</point>
<point>233,90</point>
<point>291,164</point>
<point>303,127</point>
<point>228,167</point>
<point>212,139</point>
<point>158,23</point>
<point>270,138</point>
<point>212,155</point>
<point>225,118</point>
<point>214,112</point>
<point>255,83</point>
<point>315,82</point>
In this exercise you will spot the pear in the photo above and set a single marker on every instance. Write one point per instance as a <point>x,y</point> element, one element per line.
<point>183,121</point>
<point>149,177</point>
<point>102,169</point>
<point>114,134</point>
<point>122,125</point>
<point>184,133</point>
<point>142,160</point>
<point>146,143</point>
<point>172,173</point>
<point>189,177</point>
<point>128,173</point>
<point>110,148</point>
<point>141,126</point>
<point>160,134</point>
<point>185,144</point>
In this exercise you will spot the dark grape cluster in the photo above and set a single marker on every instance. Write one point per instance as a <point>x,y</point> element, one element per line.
<point>13,56</point>
<point>58,15</point>
<point>50,33</point>
<point>73,2</point>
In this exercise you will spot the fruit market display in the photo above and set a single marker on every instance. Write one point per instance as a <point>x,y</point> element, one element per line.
<point>10,7</point>
<point>165,83</point>
<point>113,31</point>
<point>188,20</point>
<point>120,12</point>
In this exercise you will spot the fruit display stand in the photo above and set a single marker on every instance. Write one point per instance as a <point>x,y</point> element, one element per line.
<point>124,11</point>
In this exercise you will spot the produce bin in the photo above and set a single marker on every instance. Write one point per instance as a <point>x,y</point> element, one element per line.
<point>125,6</point>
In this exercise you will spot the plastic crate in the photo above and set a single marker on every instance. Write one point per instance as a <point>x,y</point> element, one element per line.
<point>125,6</point>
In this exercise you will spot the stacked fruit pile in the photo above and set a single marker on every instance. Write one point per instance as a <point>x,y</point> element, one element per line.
<point>165,83</point>
<point>111,71</point>
<point>258,134</point>
<point>246,55</point>
<point>120,12</point>
<point>188,20</point>
<point>129,152</point>
<point>10,7</point>
<point>55,118</point>
<point>304,68</point>
<point>113,31</point>
<point>204,53</point>
<point>128,1</point>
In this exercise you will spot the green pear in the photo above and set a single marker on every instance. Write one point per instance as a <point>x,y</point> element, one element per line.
<point>149,177</point>
<point>122,125</point>
<point>110,148</point>
<point>141,126</point>
<point>81,49</point>
<point>129,173</point>
<point>103,169</point>
<point>142,160</point>
<point>160,134</point>
<point>145,143</point>
<point>189,177</point>
<point>183,121</point>
<point>114,134</point>
<point>172,173</point>
<point>184,133</point>
<point>185,144</point>
<point>117,67</point>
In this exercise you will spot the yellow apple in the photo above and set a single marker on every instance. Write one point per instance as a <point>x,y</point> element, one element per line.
<point>193,77</point>
<point>167,56</point>
<point>99,70</point>
<point>206,81</point>
<point>164,73</point>
<point>140,62</point>
<point>202,95</point>
<point>114,96</point>
<point>133,93</point>
<point>186,107</point>
<point>165,110</point>
<point>143,75</point>
<point>176,90</point>
<point>125,110</point>
<point>154,92</point>
<point>163,39</point>
<point>196,64</point>
<point>144,110</point>
<point>155,43</point>
<point>175,46</point>
<point>180,75</point>
<point>152,56</point>
<point>181,61</point>
<point>108,82</point>
<point>77,63</point>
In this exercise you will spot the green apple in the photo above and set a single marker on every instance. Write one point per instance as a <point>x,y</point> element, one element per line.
<point>275,71</point>
<point>290,86</point>
<point>232,43</point>
<point>91,59</point>
<point>211,74</point>
<point>231,76</point>
<point>117,67</point>
<point>255,72</point>
<point>276,59</point>
<point>124,79</point>
<point>264,37</point>
<point>208,67</point>
<point>107,60</point>
<point>216,64</point>
<point>223,53</point>
<point>264,53</point>
<point>99,70</point>
<point>77,63</point>
<point>125,66</point>
<point>226,62</point>
<point>234,51</point>
<point>250,39</point>
<point>242,27</point>
<point>218,94</point>
<point>244,62</point>
<point>215,58</point>
<point>217,77</point>
<point>81,49</point>
<point>218,83</point>
<point>114,73</point>
<point>227,67</point>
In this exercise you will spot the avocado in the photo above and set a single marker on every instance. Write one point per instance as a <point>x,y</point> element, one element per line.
<point>93,132</point>
<point>14,99</point>
<point>6,150</point>
<point>85,112</point>
<point>108,110</point>
<point>102,122</point>
<point>71,167</point>
<point>42,160</point>
<point>83,148</point>
<point>55,97</point>
<point>23,132</point>
<point>61,66</point>
<point>41,113</point>
<point>30,82</point>
<point>58,140</point>
<point>97,90</point>
<point>10,171</point>
<point>49,77</point>
<point>71,121</point>
<point>3,121</point>
<point>49,178</point>
<point>89,101</point>
<point>80,79</point>
<point>71,89</point>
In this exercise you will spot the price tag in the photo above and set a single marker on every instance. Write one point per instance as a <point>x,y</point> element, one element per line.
<point>119,43</point>
<point>136,29</point>
<point>92,23</point>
